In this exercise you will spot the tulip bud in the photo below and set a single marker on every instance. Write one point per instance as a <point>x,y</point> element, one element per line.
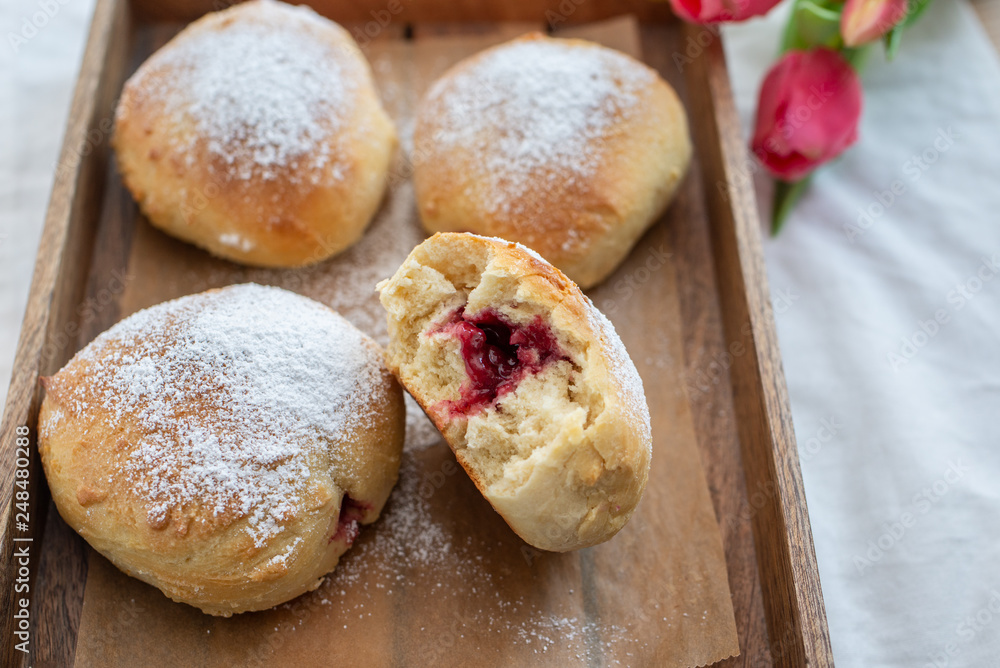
<point>808,113</point>
<point>864,21</point>
<point>716,11</point>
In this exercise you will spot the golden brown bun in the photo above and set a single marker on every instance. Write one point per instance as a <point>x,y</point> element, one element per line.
<point>224,446</point>
<point>257,134</point>
<point>567,147</point>
<point>562,454</point>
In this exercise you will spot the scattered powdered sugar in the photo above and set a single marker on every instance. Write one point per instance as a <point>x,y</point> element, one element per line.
<point>282,557</point>
<point>573,635</point>
<point>55,418</point>
<point>406,536</point>
<point>415,552</point>
<point>234,395</point>
<point>266,90</point>
<point>420,431</point>
<point>533,112</point>
<point>346,282</point>
<point>521,247</point>
<point>236,241</point>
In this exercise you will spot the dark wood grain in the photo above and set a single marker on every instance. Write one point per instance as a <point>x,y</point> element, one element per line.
<point>789,576</point>
<point>708,381</point>
<point>552,12</point>
<point>62,569</point>
<point>51,324</point>
<point>989,14</point>
<point>738,406</point>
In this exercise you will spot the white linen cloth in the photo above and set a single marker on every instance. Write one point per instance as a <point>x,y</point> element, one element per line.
<point>41,47</point>
<point>890,329</point>
<point>888,312</point>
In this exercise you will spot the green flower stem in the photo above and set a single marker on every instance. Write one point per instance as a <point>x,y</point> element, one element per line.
<point>816,23</point>
<point>786,194</point>
<point>813,23</point>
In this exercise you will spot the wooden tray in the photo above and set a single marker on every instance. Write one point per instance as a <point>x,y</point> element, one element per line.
<point>735,385</point>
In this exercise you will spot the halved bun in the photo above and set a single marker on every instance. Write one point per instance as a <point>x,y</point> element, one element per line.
<point>527,381</point>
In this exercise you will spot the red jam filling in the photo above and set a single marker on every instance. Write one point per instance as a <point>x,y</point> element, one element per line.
<point>498,354</point>
<point>349,522</point>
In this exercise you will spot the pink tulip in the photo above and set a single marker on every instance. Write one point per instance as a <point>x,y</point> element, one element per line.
<point>864,21</point>
<point>810,104</point>
<point>716,11</point>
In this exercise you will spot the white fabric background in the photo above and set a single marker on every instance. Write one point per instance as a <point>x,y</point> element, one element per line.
<point>901,466</point>
<point>36,86</point>
<point>876,440</point>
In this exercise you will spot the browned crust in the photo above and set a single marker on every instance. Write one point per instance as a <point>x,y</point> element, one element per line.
<point>195,554</point>
<point>289,220</point>
<point>584,226</point>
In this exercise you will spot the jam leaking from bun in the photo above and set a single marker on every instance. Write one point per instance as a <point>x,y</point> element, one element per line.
<point>527,381</point>
<point>498,354</point>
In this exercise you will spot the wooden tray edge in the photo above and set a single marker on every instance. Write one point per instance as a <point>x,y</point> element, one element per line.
<point>793,598</point>
<point>554,13</point>
<point>796,615</point>
<point>51,297</point>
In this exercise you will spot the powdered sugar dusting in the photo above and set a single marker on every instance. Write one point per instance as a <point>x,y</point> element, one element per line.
<point>534,112</point>
<point>346,282</point>
<point>417,556</point>
<point>265,91</point>
<point>233,395</point>
<point>420,431</point>
<point>236,241</point>
<point>633,395</point>
<point>521,247</point>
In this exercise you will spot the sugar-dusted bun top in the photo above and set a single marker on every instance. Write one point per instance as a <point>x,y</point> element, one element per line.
<point>563,145</point>
<point>258,90</point>
<point>536,113</point>
<point>234,405</point>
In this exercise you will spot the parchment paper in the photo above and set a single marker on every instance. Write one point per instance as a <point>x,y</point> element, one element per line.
<point>441,579</point>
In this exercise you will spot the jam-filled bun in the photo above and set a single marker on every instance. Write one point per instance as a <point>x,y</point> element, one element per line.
<point>567,147</point>
<point>527,381</point>
<point>257,134</point>
<point>224,447</point>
